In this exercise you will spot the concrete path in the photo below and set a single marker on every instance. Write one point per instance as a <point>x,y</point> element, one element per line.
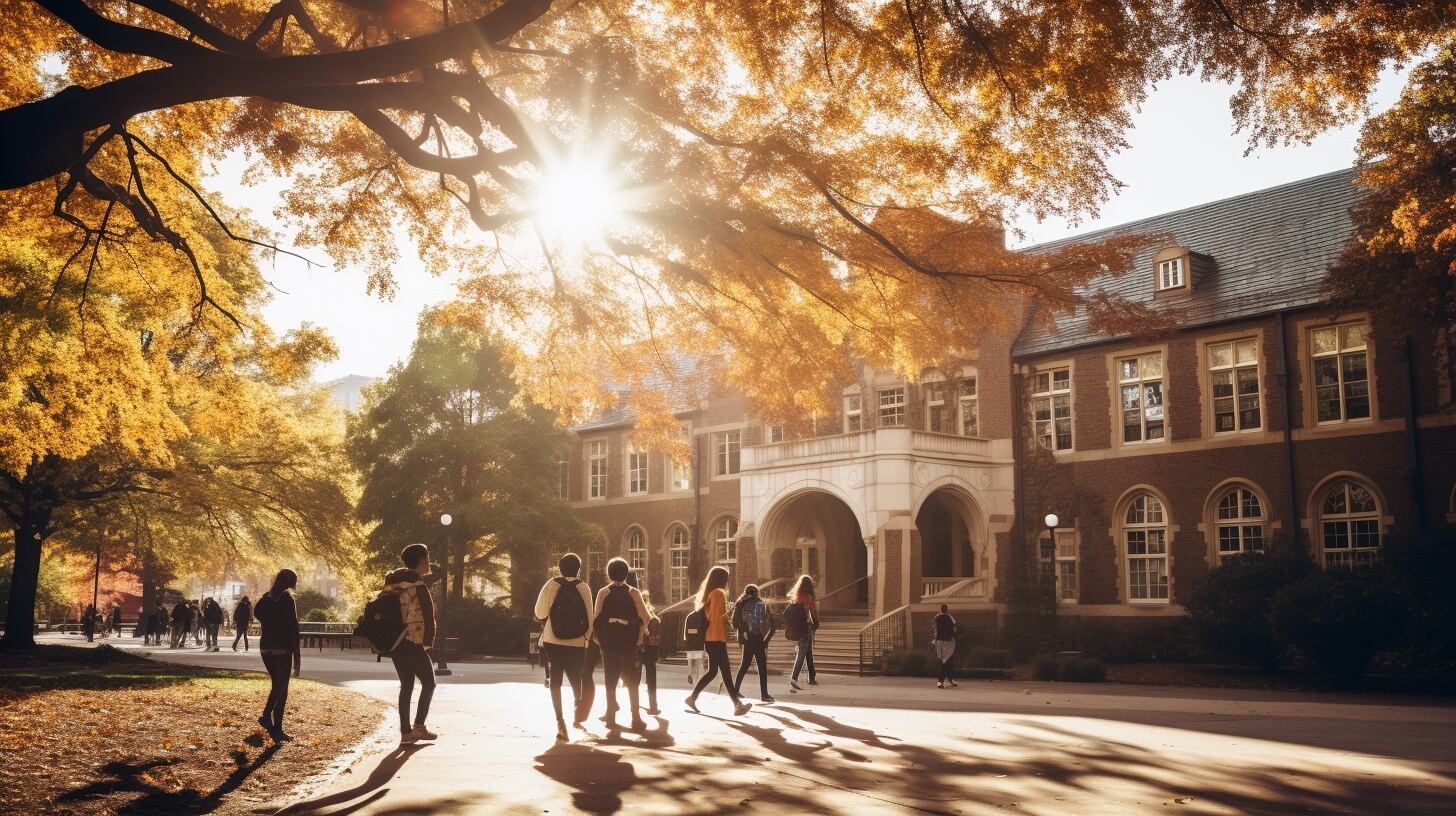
<point>895,746</point>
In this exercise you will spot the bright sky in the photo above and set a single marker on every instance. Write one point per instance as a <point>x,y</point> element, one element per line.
<point>1182,152</point>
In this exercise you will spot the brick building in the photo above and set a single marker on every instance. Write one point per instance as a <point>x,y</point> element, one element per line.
<point>1263,417</point>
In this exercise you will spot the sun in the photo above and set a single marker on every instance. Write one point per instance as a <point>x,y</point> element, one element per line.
<point>578,201</point>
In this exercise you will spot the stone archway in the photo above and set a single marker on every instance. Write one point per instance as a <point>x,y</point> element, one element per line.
<point>815,532</point>
<point>947,543</point>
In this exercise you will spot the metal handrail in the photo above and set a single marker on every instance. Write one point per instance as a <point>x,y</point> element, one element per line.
<point>876,622</point>
<point>822,598</point>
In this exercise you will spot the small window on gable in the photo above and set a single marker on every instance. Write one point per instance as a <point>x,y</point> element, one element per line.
<point>1172,273</point>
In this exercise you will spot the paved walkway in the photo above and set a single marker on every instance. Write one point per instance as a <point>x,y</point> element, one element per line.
<point>896,746</point>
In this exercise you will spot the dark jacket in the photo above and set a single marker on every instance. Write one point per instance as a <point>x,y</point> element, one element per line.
<point>279,619</point>
<point>407,580</point>
<point>243,612</point>
<point>211,613</point>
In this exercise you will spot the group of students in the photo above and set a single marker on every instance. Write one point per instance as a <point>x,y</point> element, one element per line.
<point>202,621</point>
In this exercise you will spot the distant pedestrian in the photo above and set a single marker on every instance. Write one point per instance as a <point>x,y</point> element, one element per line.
<point>564,606</point>
<point>755,629</point>
<point>242,619</point>
<point>212,619</point>
<point>620,620</point>
<point>278,615</point>
<point>116,619</point>
<point>713,601</point>
<point>411,656</point>
<point>194,621</point>
<point>179,622</point>
<point>944,645</point>
<point>651,640</point>
<point>801,619</point>
<point>156,625</point>
<point>88,621</point>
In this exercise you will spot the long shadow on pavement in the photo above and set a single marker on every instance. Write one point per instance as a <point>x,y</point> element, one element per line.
<point>371,789</point>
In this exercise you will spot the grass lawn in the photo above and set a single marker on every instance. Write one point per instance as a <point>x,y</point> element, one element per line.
<point>93,731</point>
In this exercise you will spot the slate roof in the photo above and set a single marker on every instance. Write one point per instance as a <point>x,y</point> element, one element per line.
<point>1270,251</point>
<point>685,367</point>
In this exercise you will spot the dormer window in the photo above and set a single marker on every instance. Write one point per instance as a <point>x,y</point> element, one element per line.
<point>1171,274</point>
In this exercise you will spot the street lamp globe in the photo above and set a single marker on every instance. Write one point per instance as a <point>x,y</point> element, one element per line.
<point>1051,520</point>
<point>445,519</point>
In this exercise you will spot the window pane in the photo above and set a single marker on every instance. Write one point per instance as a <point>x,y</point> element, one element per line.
<point>1250,504</point>
<point>1352,336</point>
<point>1353,366</point>
<point>1061,379</point>
<point>1254,538</point>
<point>1228,539</point>
<point>1135,512</point>
<point>1128,369</point>
<point>1132,427</point>
<point>1064,434</point>
<point>1137,542</point>
<point>1248,381</point>
<point>1152,365</point>
<point>1336,535</point>
<point>1220,355</point>
<point>1357,400</point>
<point>1249,412</point>
<point>1334,501</point>
<point>1131,397</point>
<point>968,387</point>
<point>1365,533</point>
<point>1223,414</point>
<point>1223,383</point>
<point>1247,351</point>
<point>1326,372</point>
<point>1361,501</point>
<point>1228,506</point>
<point>1324,341</point>
<point>1062,407</point>
<point>1157,541</point>
<point>1043,382</point>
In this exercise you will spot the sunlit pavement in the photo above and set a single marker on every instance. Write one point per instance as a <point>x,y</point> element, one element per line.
<point>893,745</point>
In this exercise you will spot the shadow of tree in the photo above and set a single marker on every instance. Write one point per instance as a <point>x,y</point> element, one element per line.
<point>371,789</point>
<point>135,777</point>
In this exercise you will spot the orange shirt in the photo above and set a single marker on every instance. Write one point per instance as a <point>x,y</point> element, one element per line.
<point>717,611</point>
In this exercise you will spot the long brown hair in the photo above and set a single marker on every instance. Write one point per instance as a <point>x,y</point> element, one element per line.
<point>284,580</point>
<point>804,585</point>
<point>717,578</point>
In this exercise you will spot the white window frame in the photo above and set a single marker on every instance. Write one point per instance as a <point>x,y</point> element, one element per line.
<point>853,413</point>
<point>725,541</point>
<point>679,556</point>
<point>596,559</point>
<point>934,398</point>
<point>1236,524</point>
<point>1333,524</point>
<point>727,452</point>
<point>636,460</point>
<point>679,473</point>
<point>637,554</point>
<point>1147,379</point>
<point>1171,274</point>
<point>773,434</point>
<point>596,469</point>
<point>1065,564</point>
<point>563,479</point>
<point>1153,531</point>
<point>1057,400</point>
<point>968,407</point>
<point>1343,350</point>
<point>1236,367</point>
<point>890,407</point>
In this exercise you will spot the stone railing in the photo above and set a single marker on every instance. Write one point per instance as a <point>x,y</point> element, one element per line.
<point>949,444</point>
<point>817,448</point>
<point>942,589</point>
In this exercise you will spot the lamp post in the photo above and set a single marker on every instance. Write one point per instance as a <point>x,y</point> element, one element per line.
<point>1051,521</point>
<point>442,668</point>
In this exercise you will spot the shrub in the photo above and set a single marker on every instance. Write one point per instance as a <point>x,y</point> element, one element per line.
<point>1339,618</point>
<point>1229,611</point>
<point>1068,667</point>
<point>483,628</point>
<point>309,600</point>
<point>909,663</point>
<point>1128,641</point>
<point>985,657</point>
<point>320,614</point>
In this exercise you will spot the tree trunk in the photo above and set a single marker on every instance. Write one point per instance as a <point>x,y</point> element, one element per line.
<point>20,618</point>
<point>459,569</point>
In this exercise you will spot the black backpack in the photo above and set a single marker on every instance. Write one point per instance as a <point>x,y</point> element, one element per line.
<point>618,624</point>
<point>796,622</point>
<point>382,622</point>
<point>568,613</point>
<point>695,630</point>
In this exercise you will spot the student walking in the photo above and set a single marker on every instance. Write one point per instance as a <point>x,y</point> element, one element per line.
<point>411,656</point>
<point>155,625</point>
<point>620,620</point>
<point>212,618</point>
<point>116,619</point>
<point>651,640</point>
<point>564,608</point>
<point>179,623</point>
<point>755,630</point>
<point>278,615</point>
<point>194,621</point>
<point>801,618</point>
<point>945,643</point>
<point>242,619</point>
<point>713,600</point>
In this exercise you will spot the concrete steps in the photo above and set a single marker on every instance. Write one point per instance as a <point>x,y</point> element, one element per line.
<point>836,647</point>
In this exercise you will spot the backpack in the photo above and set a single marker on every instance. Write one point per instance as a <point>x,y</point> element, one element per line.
<point>796,622</point>
<point>382,622</point>
<point>618,624</point>
<point>740,610</point>
<point>695,630</point>
<point>568,613</point>
<point>741,623</point>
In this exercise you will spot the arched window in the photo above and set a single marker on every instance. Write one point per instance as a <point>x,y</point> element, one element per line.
<point>637,554</point>
<point>1239,522</point>
<point>1145,549</point>
<point>1349,525</point>
<point>678,556</point>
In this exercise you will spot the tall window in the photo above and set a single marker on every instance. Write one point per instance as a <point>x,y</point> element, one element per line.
<point>892,407</point>
<point>1051,407</point>
<point>935,407</point>
<point>1145,547</point>
<point>1140,381</point>
<point>563,479</point>
<point>596,460</point>
<point>968,405</point>
<point>637,554</point>
<point>1239,522</point>
<point>1066,555</point>
<point>726,449</point>
<point>725,544</point>
<point>773,433</point>
<point>681,473</point>
<point>1349,525</point>
<point>1170,274</point>
<point>595,562</point>
<point>678,555</point>
<point>1341,372</point>
<point>636,470</point>
<point>1233,372</point>
<point>853,413</point>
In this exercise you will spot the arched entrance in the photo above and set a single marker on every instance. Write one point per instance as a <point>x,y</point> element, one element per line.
<point>816,533</point>
<point>948,522</point>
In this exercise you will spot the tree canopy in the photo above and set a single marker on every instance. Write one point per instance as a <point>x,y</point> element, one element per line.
<point>816,179</point>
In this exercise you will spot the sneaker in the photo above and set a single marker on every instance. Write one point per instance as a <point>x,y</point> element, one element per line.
<point>279,735</point>
<point>692,704</point>
<point>653,710</point>
<point>769,699</point>
<point>741,709</point>
<point>561,735</point>
<point>794,685</point>
<point>939,684</point>
<point>235,648</point>
<point>612,724</point>
<point>423,733</point>
<point>953,684</point>
<point>813,682</point>
<point>408,736</point>
<point>638,725</point>
<point>263,721</point>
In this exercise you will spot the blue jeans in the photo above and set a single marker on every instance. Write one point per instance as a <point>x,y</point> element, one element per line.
<point>804,653</point>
